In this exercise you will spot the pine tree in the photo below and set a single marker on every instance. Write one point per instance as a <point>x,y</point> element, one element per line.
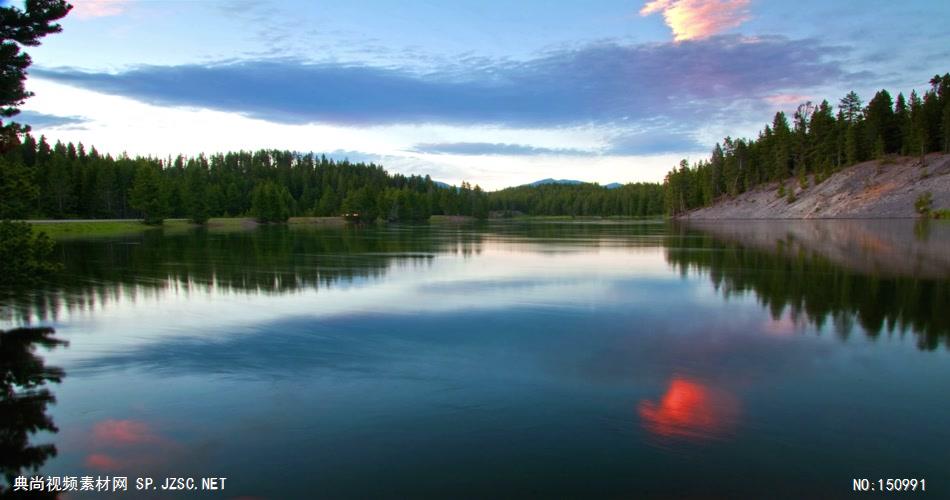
<point>850,106</point>
<point>781,146</point>
<point>902,124</point>
<point>271,202</point>
<point>148,194</point>
<point>360,204</point>
<point>21,28</point>
<point>945,126</point>
<point>919,139</point>
<point>716,166</point>
<point>17,191</point>
<point>196,194</point>
<point>328,204</point>
<point>881,128</point>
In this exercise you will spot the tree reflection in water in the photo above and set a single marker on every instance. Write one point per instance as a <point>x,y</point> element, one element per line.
<point>838,272</point>
<point>24,397</point>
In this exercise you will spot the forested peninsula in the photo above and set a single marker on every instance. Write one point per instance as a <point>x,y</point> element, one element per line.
<point>788,160</point>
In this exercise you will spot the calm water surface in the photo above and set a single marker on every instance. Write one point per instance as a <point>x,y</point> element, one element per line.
<point>507,359</point>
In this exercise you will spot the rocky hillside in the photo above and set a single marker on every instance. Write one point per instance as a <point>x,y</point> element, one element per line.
<point>874,189</point>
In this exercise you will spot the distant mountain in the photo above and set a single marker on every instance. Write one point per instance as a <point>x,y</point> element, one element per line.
<point>441,184</point>
<point>542,182</point>
<point>569,182</point>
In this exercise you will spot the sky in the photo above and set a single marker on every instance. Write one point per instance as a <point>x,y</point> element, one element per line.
<point>496,93</point>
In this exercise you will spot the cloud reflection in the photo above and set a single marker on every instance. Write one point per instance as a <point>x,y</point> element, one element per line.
<point>130,445</point>
<point>123,432</point>
<point>689,410</point>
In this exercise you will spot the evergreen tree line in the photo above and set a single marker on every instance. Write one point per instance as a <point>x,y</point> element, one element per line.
<point>816,144</point>
<point>65,181</point>
<point>631,200</point>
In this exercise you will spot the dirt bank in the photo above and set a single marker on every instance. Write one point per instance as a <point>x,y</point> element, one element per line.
<point>870,190</point>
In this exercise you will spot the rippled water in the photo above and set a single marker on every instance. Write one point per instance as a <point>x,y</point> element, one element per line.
<point>552,359</point>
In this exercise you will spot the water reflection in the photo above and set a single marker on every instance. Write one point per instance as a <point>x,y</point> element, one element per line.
<point>24,397</point>
<point>836,274</point>
<point>268,261</point>
<point>512,359</point>
<point>127,445</point>
<point>690,410</point>
<point>829,273</point>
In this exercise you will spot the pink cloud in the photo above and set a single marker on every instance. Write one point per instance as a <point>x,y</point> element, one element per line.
<point>786,99</point>
<point>696,19</point>
<point>87,9</point>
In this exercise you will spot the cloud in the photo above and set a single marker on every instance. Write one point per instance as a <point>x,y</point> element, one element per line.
<point>654,142</point>
<point>604,84</point>
<point>43,120</point>
<point>698,19</point>
<point>651,142</point>
<point>88,9</point>
<point>353,156</point>
<point>786,99</point>
<point>495,149</point>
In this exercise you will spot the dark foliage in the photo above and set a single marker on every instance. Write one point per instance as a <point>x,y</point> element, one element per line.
<point>24,398</point>
<point>25,256</point>
<point>639,199</point>
<point>73,183</point>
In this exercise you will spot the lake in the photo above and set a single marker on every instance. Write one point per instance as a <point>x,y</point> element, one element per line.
<point>504,359</point>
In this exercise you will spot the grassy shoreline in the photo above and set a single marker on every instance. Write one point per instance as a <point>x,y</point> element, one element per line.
<point>65,229</point>
<point>82,229</point>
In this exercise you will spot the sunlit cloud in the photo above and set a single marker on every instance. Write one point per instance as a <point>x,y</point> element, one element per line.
<point>697,19</point>
<point>88,9</point>
<point>786,99</point>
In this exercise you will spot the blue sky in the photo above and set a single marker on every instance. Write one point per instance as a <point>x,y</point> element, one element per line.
<point>496,93</point>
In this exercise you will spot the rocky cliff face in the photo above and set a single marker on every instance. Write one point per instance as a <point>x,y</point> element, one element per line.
<point>874,189</point>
